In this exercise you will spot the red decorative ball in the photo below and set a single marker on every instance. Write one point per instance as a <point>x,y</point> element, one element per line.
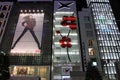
<point>72,18</point>
<point>64,18</point>
<point>69,45</point>
<point>65,42</point>
<point>61,41</point>
<point>63,45</point>
<point>64,23</point>
<point>68,40</point>
<point>58,32</point>
<point>64,38</point>
<point>72,26</point>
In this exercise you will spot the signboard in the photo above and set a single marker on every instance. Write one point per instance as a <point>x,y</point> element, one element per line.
<point>28,33</point>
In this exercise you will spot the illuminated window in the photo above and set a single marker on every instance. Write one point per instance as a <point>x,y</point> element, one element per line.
<point>87,18</point>
<point>22,70</point>
<point>90,42</point>
<point>91,51</point>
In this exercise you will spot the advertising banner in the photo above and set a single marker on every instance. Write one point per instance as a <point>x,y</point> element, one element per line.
<point>28,33</point>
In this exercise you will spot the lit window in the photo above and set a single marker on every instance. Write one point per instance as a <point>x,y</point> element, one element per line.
<point>91,51</point>
<point>90,42</point>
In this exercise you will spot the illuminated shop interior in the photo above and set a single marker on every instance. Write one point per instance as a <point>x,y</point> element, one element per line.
<point>35,71</point>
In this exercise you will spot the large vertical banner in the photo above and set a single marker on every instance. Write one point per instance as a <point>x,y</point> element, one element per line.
<point>28,34</point>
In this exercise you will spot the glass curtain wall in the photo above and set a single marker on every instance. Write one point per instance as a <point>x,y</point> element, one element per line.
<point>108,35</point>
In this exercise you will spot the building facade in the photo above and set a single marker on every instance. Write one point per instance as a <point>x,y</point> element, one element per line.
<point>108,36</point>
<point>66,48</point>
<point>51,40</point>
<point>26,40</point>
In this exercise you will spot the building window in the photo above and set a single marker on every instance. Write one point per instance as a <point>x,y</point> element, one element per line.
<point>89,33</point>
<point>7,15</point>
<point>86,18</point>
<point>2,15</point>
<point>90,42</point>
<point>91,51</point>
<point>88,26</point>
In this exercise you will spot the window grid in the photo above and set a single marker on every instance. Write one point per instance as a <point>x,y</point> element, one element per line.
<point>108,36</point>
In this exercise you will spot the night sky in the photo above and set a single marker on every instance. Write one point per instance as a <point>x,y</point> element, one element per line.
<point>114,4</point>
<point>116,10</point>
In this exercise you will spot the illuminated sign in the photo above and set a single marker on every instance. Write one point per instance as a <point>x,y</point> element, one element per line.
<point>28,34</point>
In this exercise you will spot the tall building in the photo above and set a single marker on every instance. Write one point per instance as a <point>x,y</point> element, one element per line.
<point>88,39</point>
<point>51,40</point>
<point>108,35</point>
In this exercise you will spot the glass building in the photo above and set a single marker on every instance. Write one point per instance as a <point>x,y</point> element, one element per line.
<point>108,36</point>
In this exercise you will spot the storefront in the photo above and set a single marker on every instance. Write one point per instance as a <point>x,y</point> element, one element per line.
<point>30,72</point>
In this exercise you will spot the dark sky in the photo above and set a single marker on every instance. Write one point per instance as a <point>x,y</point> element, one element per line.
<point>116,8</point>
<point>115,4</point>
